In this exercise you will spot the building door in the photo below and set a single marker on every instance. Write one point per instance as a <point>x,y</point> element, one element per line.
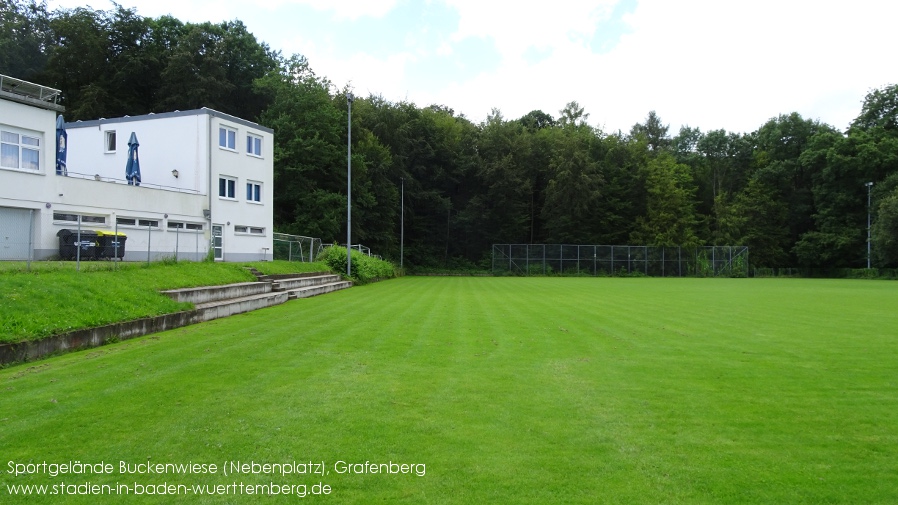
<point>217,242</point>
<point>15,233</point>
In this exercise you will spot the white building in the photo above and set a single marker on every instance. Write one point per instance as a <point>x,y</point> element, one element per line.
<point>206,181</point>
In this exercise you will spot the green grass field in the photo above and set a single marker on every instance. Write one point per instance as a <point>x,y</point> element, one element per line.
<point>508,390</point>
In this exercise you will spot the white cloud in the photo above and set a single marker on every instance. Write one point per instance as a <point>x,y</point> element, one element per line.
<point>517,26</point>
<point>349,9</point>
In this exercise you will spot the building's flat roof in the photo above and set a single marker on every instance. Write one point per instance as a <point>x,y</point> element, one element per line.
<point>29,93</point>
<point>178,113</point>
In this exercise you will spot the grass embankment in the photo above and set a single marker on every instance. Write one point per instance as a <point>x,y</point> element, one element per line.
<point>509,390</point>
<point>53,297</point>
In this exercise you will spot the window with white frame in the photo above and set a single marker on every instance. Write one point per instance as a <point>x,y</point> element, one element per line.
<point>179,225</point>
<point>227,188</point>
<point>253,145</point>
<point>109,143</point>
<point>66,217</point>
<point>227,138</point>
<point>249,230</point>
<point>254,192</point>
<point>133,221</point>
<point>19,149</point>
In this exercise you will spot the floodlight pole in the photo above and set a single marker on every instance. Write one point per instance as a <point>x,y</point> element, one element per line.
<point>402,223</point>
<point>349,99</point>
<point>869,188</point>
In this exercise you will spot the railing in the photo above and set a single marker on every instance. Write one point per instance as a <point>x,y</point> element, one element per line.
<point>113,180</point>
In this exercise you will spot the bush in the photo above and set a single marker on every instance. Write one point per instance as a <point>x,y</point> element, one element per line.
<point>364,268</point>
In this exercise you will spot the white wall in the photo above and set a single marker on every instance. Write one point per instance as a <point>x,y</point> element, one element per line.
<point>233,214</point>
<point>186,141</point>
<point>166,142</point>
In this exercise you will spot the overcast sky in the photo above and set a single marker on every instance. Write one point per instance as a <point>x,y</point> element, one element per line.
<point>711,64</point>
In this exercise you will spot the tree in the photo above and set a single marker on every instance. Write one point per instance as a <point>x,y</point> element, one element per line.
<point>880,110</point>
<point>309,151</point>
<point>669,218</point>
<point>574,186</point>
<point>24,38</point>
<point>653,131</point>
<point>885,231</point>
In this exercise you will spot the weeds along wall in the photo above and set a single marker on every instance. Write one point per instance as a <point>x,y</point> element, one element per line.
<point>619,260</point>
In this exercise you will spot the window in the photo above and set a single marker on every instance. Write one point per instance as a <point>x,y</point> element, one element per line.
<point>227,138</point>
<point>253,192</point>
<point>175,225</point>
<point>142,223</point>
<point>59,216</point>
<point>73,218</point>
<point>227,188</point>
<point>19,150</point>
<point>110,141</point>
<point>251,230</point>
<point>254,145</point>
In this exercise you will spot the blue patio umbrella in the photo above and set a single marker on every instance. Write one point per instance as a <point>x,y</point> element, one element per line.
<point>61,139</point>
<point>132,169</point>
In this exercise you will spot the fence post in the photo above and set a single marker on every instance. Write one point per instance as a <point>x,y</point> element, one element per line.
<point>78,247</point>
<point>115,247</point>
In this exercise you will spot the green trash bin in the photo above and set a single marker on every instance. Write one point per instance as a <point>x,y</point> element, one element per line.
<point>111,245</point>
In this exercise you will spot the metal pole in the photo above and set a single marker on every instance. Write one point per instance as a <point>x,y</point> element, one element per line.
<point>402,224</point>
<point>149,239</point>
<point>869,188</point>
<point>349,187</point>
<point>115,247</point>
<point>78,247</point>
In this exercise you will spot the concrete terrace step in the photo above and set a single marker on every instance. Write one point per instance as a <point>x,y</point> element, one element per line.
<point>318,289</point>
<point>302,282</point>
<point>214,293</point>
<point>212,302</point>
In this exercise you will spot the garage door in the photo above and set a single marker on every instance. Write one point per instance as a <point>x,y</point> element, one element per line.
<point>15,226</point>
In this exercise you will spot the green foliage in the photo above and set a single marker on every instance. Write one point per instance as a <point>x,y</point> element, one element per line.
<point>364,269</point>
<point>885,231</point>
<point>793,190</point>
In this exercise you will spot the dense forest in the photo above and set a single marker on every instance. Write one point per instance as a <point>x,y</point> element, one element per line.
<point>793,190</point>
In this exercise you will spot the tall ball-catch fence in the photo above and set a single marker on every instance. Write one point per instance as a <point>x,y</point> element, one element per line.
<point>296,247</point>
<point>611,260</point>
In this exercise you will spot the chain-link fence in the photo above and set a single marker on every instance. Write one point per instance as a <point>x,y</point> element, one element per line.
<point>296,247</point>
<point>608,260</point>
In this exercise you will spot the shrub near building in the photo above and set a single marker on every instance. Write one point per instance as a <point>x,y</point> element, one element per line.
<point>364,268</point>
